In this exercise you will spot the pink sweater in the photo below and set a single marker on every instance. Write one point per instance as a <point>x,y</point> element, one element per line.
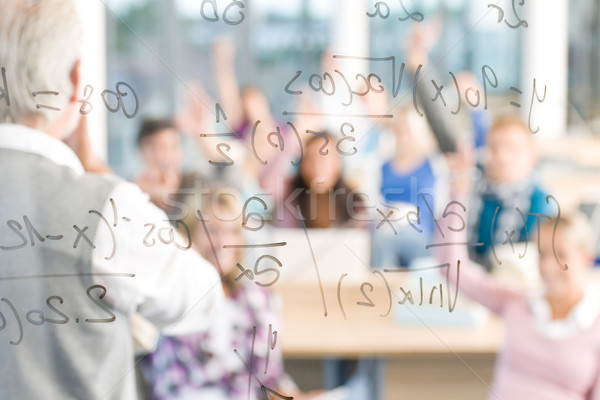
<point>531,364</point>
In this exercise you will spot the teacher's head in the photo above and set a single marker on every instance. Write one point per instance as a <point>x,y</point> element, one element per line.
<point>40,51</point>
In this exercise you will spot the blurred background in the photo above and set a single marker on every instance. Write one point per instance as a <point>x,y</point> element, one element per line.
<point>162,48</point>
<point>157,46</point>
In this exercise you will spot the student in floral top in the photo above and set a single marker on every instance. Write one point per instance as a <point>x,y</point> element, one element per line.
<point>215,365</point>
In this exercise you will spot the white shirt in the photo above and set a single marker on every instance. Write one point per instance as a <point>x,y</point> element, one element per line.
<point>177,290</point>
<point>580,318</point>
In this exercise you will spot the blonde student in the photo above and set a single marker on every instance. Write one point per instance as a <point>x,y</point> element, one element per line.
<point>551,349</point>
<point>239,357</point>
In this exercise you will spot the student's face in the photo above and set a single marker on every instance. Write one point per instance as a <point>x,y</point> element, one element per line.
<point>224,228</point>
<point>320,172</point>
<point>255,104</point>
<point>556,279</point>
<point>162,150</point>
<point>510,154</point>
<point>404,134</point>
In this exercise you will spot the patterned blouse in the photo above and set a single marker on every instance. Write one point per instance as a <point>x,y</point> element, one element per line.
<point>216,364</point>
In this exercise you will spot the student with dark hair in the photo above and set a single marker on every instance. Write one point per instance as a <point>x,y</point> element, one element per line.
<point>318,188</point>
<point>160,147</point>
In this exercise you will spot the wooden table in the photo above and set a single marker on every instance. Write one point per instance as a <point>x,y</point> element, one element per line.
<point>307,334</point>
<point>363,330</point>
<point>458,360</point>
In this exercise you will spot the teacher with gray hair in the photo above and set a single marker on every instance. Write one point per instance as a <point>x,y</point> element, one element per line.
<point>81,250</point>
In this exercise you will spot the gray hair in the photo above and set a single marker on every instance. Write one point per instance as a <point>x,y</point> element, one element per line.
<point>40,42</point>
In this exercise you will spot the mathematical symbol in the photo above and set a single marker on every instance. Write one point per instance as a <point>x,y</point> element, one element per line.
<point>272,341</point>
<point>535,95</point>
<point>112,234</point>
<point>54,237</point>
<point>416,16</point>
<point>254,246</point>
<point>509,240</point>
<point>519,23</point>
<point>500,11</point>
<point>512,103</point>
<point>407,296</point>
<point>115,214</point>
<point>81,234</point>
<point>245,272</point>
<point>4,90</point>
<point>386,220</point>
<point>224,134</point>
<point>38,106</point>
<point>219,111</point>
<point>86,105</point>
<point>430,208</point>
<point>438,92</point>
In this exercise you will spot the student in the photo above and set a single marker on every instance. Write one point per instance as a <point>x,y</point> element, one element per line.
<point>410,181</point>
<point>82,269</point>
<point>506,185</point>
<point>249,115</point>
<point>552,345</point>
<point>318,188</point>
<point>207,365</point>
<point>160,147</point>
<point>224,159</point>
<point>507,193</point>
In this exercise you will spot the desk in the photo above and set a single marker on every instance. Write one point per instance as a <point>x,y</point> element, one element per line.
<point>307,333</point>
<point>438,352</point>
<point>459,361</point>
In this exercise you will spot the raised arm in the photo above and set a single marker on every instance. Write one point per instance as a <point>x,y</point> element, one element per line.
<point>471,279</point>
<point>197,117</point>
<point>174,288</point>
<point>418,46</point>
<point>227,83</point>
<point>80,142</point>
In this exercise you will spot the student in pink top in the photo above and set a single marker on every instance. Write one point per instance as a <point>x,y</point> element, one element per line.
<point>552,342</point>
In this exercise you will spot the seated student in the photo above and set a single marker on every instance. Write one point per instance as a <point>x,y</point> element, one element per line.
<point>250,116</point>
<point>508,188</point>
<point>552,345</point>
<point>159,142</point>
<point>507,193</point>
<point>163,177</point>
<point>320,192</point>
<point>208,365</point>
<point>222,159</point>
<point>409,182</point>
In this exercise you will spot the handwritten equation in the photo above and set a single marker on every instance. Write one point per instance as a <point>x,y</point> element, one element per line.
<point>27,234</point>
<point>55,313</point>
<point>114,100</point>
<point>250,366</point>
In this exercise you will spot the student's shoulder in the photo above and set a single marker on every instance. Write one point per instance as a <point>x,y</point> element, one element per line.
<point>541,200</point>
